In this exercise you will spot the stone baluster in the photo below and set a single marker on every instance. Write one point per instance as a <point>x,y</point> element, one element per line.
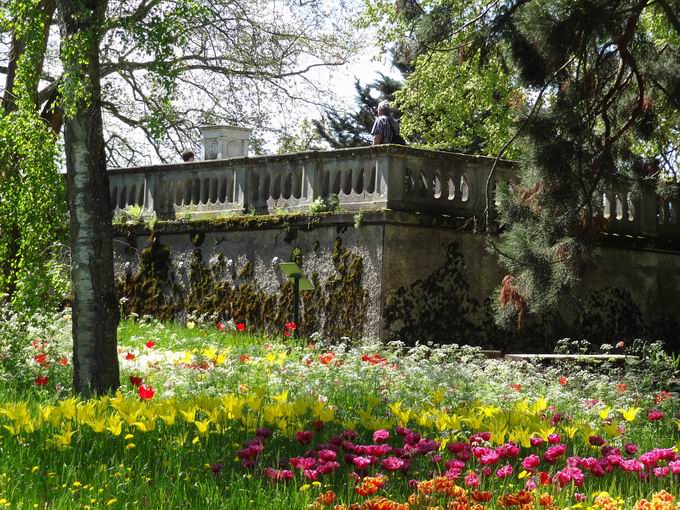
<point>648,212</point>
<point>390,180</point>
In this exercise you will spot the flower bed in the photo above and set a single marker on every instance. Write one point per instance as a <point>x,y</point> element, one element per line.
<point>209,416</point>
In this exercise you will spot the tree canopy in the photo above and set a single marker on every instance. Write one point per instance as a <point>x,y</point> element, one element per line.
<point>596,108</point>
<point>169,66</point>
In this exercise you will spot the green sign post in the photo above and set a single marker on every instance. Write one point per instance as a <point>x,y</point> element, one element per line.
<point>300,282</point>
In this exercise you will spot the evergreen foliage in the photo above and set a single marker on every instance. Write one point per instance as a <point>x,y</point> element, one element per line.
<point>600,112</point>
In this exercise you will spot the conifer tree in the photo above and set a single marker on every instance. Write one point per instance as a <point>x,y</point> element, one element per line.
<point>601,87</point>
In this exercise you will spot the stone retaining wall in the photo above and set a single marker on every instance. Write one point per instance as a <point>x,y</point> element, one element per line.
<point>383,274</point>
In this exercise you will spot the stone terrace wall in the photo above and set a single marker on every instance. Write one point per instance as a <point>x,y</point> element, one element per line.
<point>230,268</point>
<point>387,275</point>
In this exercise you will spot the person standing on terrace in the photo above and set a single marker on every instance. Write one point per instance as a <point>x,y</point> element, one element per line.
<point>385,128</point>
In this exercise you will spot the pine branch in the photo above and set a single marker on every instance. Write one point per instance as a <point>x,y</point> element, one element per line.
<point>670,15</point>
<point>507,144</point>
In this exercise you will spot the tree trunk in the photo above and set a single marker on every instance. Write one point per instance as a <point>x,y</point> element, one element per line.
<point>95,308</point>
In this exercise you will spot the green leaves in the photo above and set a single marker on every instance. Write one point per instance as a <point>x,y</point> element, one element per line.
<point>32,211</point>
<point>32,199</point>
<point>451,102</point>
<point>74,86</point>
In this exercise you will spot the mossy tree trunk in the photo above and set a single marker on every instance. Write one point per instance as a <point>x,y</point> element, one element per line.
<point>95,308</point>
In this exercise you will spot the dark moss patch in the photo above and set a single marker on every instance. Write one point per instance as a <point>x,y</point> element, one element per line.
<point>290,233</point>
<point>337,307</point>
<point>437,308</point>
<point>345,299</point>
<point>150,291</point>
<point>296,256</point>
<point>247,271</point>
<point>312,307</point>
<point>197,238</point>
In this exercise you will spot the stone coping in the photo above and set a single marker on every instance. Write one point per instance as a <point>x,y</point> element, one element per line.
<point>230,223</point>
<point>306,220</point>
<point>571,357</point>
<point>301,156</point>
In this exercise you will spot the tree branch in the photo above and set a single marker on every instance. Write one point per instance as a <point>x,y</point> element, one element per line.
<point>670,15</point>
<point>507,144</point>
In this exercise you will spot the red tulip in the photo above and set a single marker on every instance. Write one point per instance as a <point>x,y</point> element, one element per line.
<point>146,392</point>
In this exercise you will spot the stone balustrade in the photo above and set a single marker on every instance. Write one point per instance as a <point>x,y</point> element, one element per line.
<point>381,177</point>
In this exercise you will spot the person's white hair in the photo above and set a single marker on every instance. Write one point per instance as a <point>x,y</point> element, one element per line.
<point>384,105</point>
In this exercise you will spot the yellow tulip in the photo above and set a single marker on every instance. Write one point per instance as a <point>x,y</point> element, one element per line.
<point>539,406</point>
<point>202,426</point>
<point>254,402</point>
<point>13,429</point>
<point>233,406</point>
<point>97,425</point>
<point>612,429</point>
<point>326,415</point>
<point>115,425</point>
<point>67,408</point>
<point>475,421</point>
<point>441,421</point>
<point>62,440</point>
<point>454,422</point>
<point>189,415</point>
<point>438,396</point>
<point>570,431</point>
<point>629,414</point>
<point>144,426</point>
<point>402,416</point>
<point>521,436</point>
<point>544,432</point>
<point>489,411</point>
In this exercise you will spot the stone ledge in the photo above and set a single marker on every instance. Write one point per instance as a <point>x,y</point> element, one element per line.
<point>597,358</point>
<point>376,150</point>
<point>345,219</point>
<point>307,221</point>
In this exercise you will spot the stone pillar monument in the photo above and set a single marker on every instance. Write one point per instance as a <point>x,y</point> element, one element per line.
<point>222,142</point>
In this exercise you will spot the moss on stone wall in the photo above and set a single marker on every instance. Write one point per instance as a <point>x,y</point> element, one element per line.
<point>337,306</point>
<point>440,308</point>
<point>345,299</point>
<point>151,290</point>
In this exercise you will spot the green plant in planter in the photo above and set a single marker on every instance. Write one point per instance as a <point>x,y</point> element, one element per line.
<point>331,203</point>
<point>131,214</point>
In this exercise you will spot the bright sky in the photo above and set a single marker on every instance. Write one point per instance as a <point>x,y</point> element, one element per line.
<point>367,67</point>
